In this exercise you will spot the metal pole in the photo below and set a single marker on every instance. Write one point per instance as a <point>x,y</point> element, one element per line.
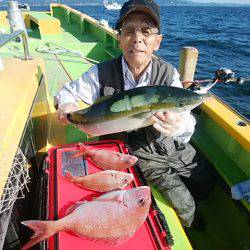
<point>9,37</point>
<point>15,17</point>
<point>25,46</point>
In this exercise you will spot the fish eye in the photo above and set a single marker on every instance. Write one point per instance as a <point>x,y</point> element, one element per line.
<point>125,180</point>
<point>141,201</point>
<point>127,161</point>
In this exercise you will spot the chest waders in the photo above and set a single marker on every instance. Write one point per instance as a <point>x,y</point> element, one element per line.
<point>162,159</point>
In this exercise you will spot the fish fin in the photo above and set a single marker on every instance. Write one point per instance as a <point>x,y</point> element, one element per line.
<point>125,185</point>
<point>83,151</point>
<point>115,195</point>
<point>116,242</point>
<point>90,136</point>
<point>118,198</point>
<point>101,99</point>
<point>42,229</point>
<point>109,242</point>
<point>74,206</point>
<point>122,240</point>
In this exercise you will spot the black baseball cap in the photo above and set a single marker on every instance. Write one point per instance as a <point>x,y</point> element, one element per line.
<point>148,6</point>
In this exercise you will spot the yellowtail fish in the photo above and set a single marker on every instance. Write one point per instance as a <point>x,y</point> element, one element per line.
<point>132,109</point>
<point>102,181</point>
<point>111,218</point>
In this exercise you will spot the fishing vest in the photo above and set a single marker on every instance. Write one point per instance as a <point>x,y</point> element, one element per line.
<point>111,75</point>
<point>149,139</point>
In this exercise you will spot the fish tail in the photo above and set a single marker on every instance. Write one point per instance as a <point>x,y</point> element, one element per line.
<point>42,230</point>
<point>83,151</point>
<point>69,176</point>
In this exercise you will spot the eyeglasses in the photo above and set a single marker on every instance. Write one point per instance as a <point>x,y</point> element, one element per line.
<point>144,31</point>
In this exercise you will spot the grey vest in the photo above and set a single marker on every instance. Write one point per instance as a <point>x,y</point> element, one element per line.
<point>111,76</point>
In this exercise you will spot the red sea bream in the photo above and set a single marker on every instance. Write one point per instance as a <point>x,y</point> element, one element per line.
<point>105,159</point>
<point>111,218</point>
<point>102,181</point>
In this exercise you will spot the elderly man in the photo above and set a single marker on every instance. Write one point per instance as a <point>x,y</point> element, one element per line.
<point>163,148</point>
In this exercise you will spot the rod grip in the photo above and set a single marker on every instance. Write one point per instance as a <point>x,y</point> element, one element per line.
<point>187,65</point>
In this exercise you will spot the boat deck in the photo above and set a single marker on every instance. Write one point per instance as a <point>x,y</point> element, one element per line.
<point>58,49</point>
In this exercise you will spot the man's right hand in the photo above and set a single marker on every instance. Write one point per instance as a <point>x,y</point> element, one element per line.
<point>64,110</point>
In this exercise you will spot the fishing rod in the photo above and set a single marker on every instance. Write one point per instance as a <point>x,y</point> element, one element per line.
<point>222,75</point>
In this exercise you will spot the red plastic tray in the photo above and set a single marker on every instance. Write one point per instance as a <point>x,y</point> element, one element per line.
<point>62,194</point>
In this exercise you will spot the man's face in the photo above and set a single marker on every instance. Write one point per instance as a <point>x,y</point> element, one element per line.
<point>138,39</point>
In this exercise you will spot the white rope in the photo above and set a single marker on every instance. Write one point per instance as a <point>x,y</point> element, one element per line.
<point>17,180</point>
<point>52,48</point>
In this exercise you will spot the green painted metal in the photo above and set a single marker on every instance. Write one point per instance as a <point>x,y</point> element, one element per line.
<point>229,158</point>
<point>227,225</point>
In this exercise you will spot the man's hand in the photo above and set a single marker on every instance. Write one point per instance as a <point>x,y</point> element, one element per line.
<point>168,123</point>
<point>64,110</point>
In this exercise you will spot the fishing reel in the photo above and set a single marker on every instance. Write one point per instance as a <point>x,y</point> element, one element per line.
<point>224,75</point>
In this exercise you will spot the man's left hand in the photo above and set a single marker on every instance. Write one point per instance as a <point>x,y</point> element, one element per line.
<point>168,123</point>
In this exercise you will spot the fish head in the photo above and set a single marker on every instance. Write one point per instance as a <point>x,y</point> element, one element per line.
<point>128,160</point>
<point>121,178</point>
<point>138,199</point>
<point>175,99</point>
<point>124,179</point>
<point>190,102</point>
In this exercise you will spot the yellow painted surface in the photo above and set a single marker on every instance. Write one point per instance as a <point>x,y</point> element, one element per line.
<point>3,19</point>
<point>18,86</point>
<point>47,26</point>
<point>56,132</point>
<point>40,109</point>
<point>51,27</point>
<point>228,120</point>
<point>26,21</point>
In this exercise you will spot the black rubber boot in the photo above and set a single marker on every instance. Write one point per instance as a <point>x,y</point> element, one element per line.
<point>198,223</point>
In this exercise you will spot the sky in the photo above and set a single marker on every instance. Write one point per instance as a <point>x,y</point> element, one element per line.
<point>223,1</point>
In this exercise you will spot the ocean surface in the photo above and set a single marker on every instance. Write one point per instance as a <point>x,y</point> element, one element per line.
<point>221,34</point>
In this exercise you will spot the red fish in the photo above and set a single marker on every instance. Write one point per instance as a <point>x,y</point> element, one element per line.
<point>102,181</point>
<point>107,159</point>
<point>111,218</point>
